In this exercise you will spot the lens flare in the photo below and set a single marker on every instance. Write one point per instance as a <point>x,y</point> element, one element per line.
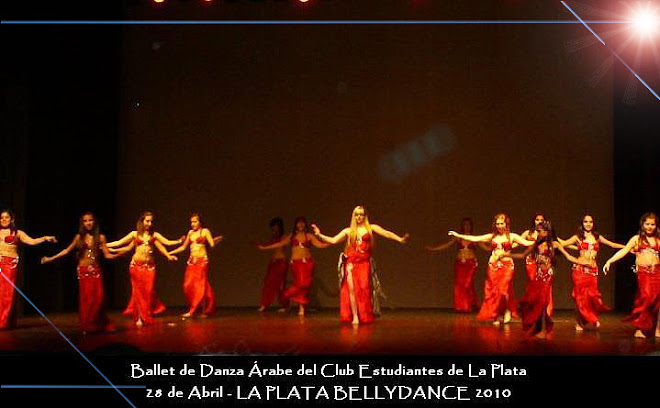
<point>646,22</point>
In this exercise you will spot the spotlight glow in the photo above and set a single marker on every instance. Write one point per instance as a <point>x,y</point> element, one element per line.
<point>645,22</point>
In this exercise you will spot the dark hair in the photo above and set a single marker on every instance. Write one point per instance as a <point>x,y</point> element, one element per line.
<point>280,224</point>
<point>581,232</point>
<point>82,232</point>
<point>533,224</point>
<point>552,237</point>
<point>140,222</point>
<point>295,223</point>
<point>199,218</point>
<point>642,235</point>
<point>12,226</point>
<point>468,220</point>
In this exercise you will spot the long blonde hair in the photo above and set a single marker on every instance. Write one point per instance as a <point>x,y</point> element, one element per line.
<point>353,233</point>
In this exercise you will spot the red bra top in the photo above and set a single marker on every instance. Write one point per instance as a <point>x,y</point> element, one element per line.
<point>583,246</point>
<point>641,246</point>
<point>200,239</point>
<point>11,239</point>
<point>296,243</point>
<point>504,245</point>
<point>138,240</point>
<point>461,245</point>
<point>360,250</point>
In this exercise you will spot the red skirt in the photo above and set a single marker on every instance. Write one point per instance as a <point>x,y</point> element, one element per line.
<point>303,273</point>
<point>647,303</point>
<point>498,291</point>
<point>361,274</point>
<point>588,300</point>
<point>9,268</point>
<point>465,297</point>
<point>196,287</point>
<point>91,300</point>
<point>144,303</point>
<point>274,284</point>
<point>534,305</point>
<point>530,268</point>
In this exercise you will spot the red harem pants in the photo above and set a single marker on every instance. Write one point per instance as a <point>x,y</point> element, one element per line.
<point>465,297</point>
<point>143,295</point>
<point>498,291</point>
<point>530,268</point>
<point>302,271</point>
<point>196,286</point>
<point>588,300</point>
<point>534,305</point>
<point>274,283</point>
<point>91,299</point>
<point>647,305</point>
<point>156,306</point>
<point>9,268</point>
<point>360,271</point>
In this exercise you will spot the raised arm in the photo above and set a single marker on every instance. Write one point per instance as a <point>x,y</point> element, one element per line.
<point>331,240</point>
<point>620,253</point>
<point>166,241</point>
<point>389,234</point>
<point>520,240</point>
<point>183,246</point>
<point>571,241</point>
<point>609,243</point>
<point>128,238</point>
<point>163,251</point>
<point>107,254</point>
<point>444,246</point>
<point>568,256</point>
<point>472,238</point>
<point>63,252</point>
<point>284,241</point>
<point>316,242</point>
<point>26,239</point>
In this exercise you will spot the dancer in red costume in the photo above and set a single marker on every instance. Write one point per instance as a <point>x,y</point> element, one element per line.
<point>89,243</point>
<point>196,285</point>
<point>497,304</point>
<point>534,304</point>
<point>302,263</point>
<point>357,301</point>
<point>465,296</point>
<point>588,300</point>
<point>10,237</point>
<point>144,303</point>
<point>275,279</point>
<point>646,247</point>
<point>530,262</point>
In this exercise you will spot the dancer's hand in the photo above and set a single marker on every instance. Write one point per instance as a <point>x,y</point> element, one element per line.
<point>606,268</point>
<point>49,238</point>
<point>218,239</point>
<point>316,229</point>
<point>404,238</point>
<point>452,233</point>
<point>45,259</point>
<point>171,257</point>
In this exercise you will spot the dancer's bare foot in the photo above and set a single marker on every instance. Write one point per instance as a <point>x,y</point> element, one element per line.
<point>640,335</point>
<point>496,323</point>
<point>281,310</point>
<point>261,308</point>
<point>301,310</point>
<point>203,316</point>
<point>598,324</point>
<point>139,323</point>
<point>541,335</point>
<point>578,328</point>
<point>355,321</point>
<point>507,316</point>
<point>186,315</point>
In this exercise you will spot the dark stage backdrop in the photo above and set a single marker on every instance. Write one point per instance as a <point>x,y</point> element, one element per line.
<point>422,124</point>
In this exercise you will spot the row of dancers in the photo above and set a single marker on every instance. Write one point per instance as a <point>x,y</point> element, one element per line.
<point>360,290</point>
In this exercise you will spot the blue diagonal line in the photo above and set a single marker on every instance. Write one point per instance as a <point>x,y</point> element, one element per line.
<point>43,386</point>
<point>301,22</point>
<point>612,51</point>
<point>67,339</point>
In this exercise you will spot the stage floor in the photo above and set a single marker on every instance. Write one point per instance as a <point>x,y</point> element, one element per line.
<point>397,332</point>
